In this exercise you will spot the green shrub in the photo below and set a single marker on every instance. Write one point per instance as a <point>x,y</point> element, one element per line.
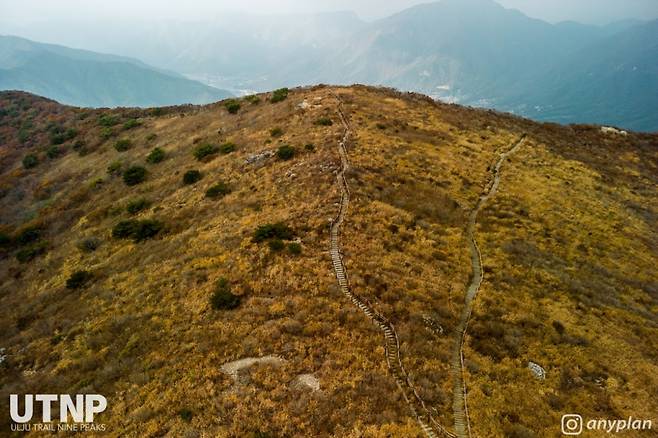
<point>53,152</point>
<point>381,126</point>
<point>279,95</point>
<point>90,244</point>
<point>151,137</point>
<point>134,175</point>
<point>276,245</point>
<point>123,145</point>
<point>59,136</point>
<point>186,415</point>
<point>130,124</point>
<point>252,99</point>
<point>205,151</point>
<point>285,152</point>
<point>137,230</point>
<point>222,298</point>
<point>156,156</point>
<point>273,231</point>
<point>227,148</point>
<point>78,279</point>
<point>310,147</point>
<point>218,190</point>
<point>324,121</point>
<point>192,177</point>
<point>108,120</point>
<point>137,205</point>
<point>107,133</point>
<point>29,235</point>
<point>30,252</point>
<point>30,161</point>
<point>276,132</point>
<point>294,248</point>
<point>5,240</point>
<point>78,145</point>
<point>115,167</point>
<point>233,106</point>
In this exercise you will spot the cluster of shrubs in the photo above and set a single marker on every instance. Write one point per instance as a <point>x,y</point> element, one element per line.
<point>232,106</point>
<point>30,243</point>
<point>137,230</point>
<point>207,151</point>
<point>59,135</point>
<point>276,132</point>
<point>223,298</point>
<point>279,95</point>
<point>275,235</point>
<point>218,191</point>
<point>78,279</point>
<point>130,124</point>
<point>252,99</point>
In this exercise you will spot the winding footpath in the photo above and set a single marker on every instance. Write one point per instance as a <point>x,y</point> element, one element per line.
<point>392,343</point>
<point>459,403</point>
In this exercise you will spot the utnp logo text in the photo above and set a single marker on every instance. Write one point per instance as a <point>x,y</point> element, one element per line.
<point>73,411</point>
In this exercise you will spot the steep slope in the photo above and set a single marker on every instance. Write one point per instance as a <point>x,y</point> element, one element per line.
<point>225,312</point>
<point>84,78</point>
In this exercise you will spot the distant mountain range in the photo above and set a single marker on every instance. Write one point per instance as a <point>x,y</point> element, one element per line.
<point>84,78</point>
<point>473,52</point>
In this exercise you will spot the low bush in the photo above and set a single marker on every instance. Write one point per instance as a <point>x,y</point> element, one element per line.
<point>123,145</point>
<point>273,231</point>
<point>227,148</point>
<point>186,415</point>
<point>276,132</point>
<point>137,205</point>
<point>285,153</point>
<point>29,235</point>
<point>5,240</point>
<point>151,137</point>
<point>223,298</point>
<point>218,190</point>
<point>205,151</point>
<point>310,147</point>
<point>78,279</point>
<point>294,248</point>
<point>115,167</point>
<point>53,152</point>
<point>232,106</point>
<point>252,99</point>
<point>30,252</point>
<point>130,124</point>
<point>90,244</point>
<point>60,136</point>
<point>108,120</point>
<point>107,133</point>
<point>279,95</point>
<point>137,230</point>
<point>276,245</point>
<point>134,175</point>
<point>156,156</point>
<point>324,121</point>
<point>30,161</point>
<point>192,177</point>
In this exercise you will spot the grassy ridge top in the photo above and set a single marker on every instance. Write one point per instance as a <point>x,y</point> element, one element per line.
<point>204,236</point>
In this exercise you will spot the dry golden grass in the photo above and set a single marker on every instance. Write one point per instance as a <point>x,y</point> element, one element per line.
<point>570,237</point>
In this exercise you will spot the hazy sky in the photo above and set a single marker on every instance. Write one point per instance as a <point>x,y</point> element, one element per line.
<point>587,11</point>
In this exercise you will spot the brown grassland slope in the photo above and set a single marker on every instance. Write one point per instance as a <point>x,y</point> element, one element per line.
<point>569,249</point>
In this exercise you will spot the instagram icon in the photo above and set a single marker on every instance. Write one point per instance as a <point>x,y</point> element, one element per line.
<point>572,424</point>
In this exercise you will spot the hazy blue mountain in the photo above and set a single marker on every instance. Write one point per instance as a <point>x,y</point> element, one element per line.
<point>613,81</point>
<point>83,78</point>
